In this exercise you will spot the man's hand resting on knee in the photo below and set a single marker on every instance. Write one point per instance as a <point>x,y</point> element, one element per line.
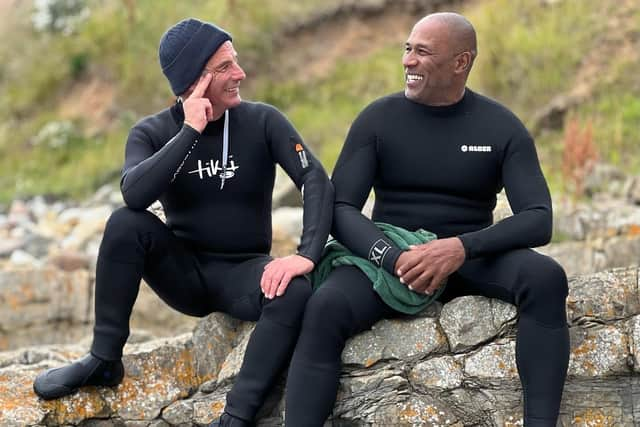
<point>279,272</point>
<point>423,268</point>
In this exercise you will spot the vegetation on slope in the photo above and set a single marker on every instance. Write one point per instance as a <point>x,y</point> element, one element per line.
<point>94,84</point>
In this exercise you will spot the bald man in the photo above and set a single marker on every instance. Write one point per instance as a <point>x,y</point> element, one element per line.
<point>436,155</point>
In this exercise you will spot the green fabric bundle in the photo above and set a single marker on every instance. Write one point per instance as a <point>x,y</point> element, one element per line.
<point>395,294</point>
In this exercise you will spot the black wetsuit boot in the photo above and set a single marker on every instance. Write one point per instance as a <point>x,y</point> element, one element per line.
<point>227,420</point>
<point>89,370</point>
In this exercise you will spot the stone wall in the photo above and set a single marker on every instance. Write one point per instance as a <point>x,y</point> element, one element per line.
<point>48,253</point>
<point>452,365</point>
<point>436,369</point>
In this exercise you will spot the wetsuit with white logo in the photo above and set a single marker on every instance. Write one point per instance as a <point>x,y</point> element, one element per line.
<point>171,163</point>
<point>439,168</point>
<point>210,254</point>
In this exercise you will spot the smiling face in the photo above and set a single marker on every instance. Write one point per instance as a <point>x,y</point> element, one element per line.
<point>224,89</point>
<point>435,64</point>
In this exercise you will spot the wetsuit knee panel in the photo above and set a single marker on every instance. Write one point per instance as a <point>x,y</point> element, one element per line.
<point>125,223</point>
<point>289,308</point>
<point>298,292</point>
<point>124,228</point>
<point>544,289</point>
<point>544,278</point>
<point>328,309</point>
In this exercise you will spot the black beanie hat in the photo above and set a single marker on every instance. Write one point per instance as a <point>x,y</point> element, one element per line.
<point>184,50</point>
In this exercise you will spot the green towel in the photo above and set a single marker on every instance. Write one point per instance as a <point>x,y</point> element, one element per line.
<point>395,294</point>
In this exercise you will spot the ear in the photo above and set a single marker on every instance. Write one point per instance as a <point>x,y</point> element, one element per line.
<point>463,62</point>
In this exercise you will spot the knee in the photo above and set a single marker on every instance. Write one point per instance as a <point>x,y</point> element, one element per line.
<point>125,225</point>
<point>543,278</point>
<point>544,290</point>
<point>298,293</point>
<point>289,308</point>
<point>125,222</point>
<point>327,310</point>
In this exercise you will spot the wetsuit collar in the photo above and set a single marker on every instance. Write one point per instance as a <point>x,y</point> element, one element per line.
<point>451,109</point>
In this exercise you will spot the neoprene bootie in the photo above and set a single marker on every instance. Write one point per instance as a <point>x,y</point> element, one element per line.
<point>227,420</point>
<point>89,370</point>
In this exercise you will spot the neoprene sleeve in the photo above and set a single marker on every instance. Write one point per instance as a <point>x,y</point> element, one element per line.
<point>290,152</point>
<point>353,178</point>
<point>167,161</point>
<point>532,221</point>
<point>147,174</point>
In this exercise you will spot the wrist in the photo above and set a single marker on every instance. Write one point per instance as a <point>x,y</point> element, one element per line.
<point>192,126</point>
<point>307,258</point>
<point>390,262</point>
<point>466,250</point>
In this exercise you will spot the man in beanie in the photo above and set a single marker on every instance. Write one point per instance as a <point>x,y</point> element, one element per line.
<point>210,160</point>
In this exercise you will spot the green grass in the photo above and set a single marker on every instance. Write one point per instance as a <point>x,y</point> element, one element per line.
<point>323,110</point>
<point>73,170</point>
<point>616,127</point>
<point>119,49</point>
<point>529,53</point>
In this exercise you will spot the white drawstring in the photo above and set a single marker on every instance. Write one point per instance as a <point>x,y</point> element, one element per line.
<point>225,148</point>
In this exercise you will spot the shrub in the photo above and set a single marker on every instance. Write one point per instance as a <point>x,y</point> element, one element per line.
<point>578,157</point>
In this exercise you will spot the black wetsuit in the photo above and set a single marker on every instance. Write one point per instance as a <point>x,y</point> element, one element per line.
<point>211,253</point>
<point>439,168</point>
